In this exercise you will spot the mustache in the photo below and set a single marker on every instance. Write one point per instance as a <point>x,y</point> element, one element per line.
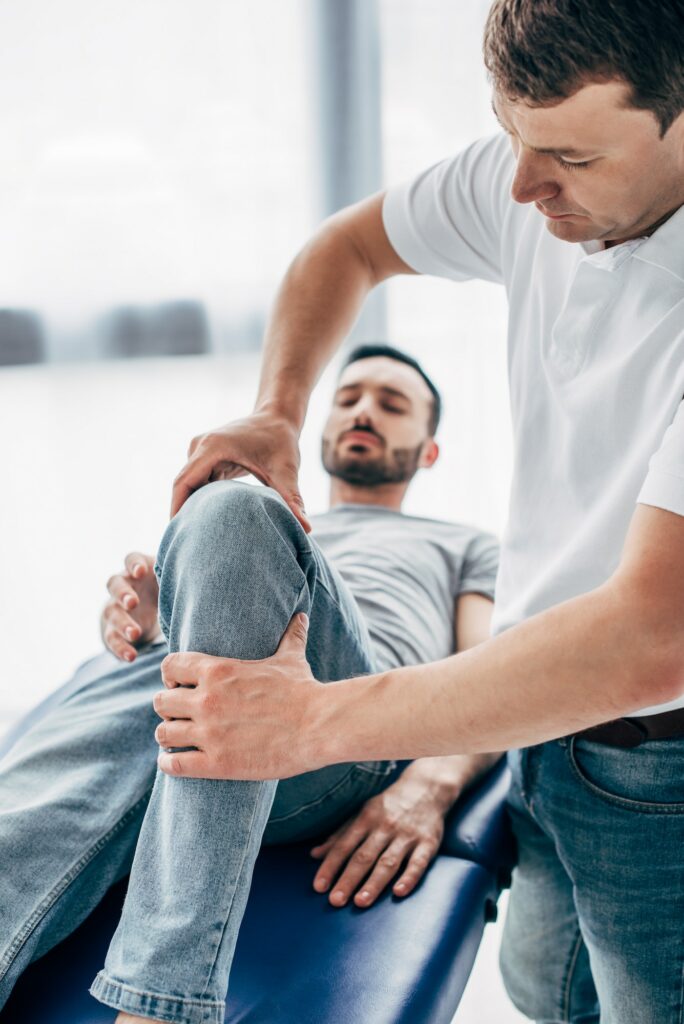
<point>361,430</point>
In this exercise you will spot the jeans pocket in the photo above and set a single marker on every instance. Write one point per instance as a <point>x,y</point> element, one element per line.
<point>648,779</point>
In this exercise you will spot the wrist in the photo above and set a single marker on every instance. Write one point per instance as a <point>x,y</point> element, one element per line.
<point>290,411</point>
<point>337,727</point>
<point>446,778</point>
<point>442,784</point>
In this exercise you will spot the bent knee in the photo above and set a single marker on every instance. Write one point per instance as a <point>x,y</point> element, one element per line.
<point>234,503</point>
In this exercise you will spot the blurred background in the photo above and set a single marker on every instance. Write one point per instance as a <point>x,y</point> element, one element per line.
<point>160,165</point>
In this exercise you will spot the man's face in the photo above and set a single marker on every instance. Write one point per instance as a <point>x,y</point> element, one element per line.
<point>595,167</point>
<point>377,430</point>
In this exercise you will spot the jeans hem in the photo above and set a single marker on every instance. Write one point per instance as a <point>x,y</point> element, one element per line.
<point>174,1009</point>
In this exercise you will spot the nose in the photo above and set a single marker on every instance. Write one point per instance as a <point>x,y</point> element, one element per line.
<point>363,410</point>
<point>531,182</point>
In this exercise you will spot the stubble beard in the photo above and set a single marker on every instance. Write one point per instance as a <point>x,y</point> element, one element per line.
<point>396,466</point>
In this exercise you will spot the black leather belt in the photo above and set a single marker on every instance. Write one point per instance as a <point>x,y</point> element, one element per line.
<point>632,732</point>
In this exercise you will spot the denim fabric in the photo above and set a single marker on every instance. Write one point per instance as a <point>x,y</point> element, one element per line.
<point>595,926</point>
<point>81,801</point>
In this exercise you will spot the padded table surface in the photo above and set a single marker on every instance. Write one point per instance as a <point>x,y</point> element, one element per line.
<point>299,960</point>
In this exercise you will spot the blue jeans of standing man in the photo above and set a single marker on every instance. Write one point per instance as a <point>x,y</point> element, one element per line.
<point>81,802</point>
<point>595,926</point>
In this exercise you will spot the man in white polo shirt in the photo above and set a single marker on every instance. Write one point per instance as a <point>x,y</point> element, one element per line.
<point>577,210</point>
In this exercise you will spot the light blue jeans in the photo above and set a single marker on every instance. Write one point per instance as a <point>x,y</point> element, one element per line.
<point>81,801</point>
<point>595,925</point>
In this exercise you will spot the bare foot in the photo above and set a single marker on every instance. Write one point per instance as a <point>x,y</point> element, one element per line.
<point>130,1018</point>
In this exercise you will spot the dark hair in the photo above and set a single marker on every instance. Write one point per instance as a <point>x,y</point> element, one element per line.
<point>371,349</point>
<point>544,51</point>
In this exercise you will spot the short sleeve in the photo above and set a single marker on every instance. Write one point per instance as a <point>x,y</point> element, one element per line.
<point>664,483</point>
<point>480,566</point>
<point>448,221</point>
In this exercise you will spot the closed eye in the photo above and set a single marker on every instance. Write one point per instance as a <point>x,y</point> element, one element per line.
<point>579,165</point>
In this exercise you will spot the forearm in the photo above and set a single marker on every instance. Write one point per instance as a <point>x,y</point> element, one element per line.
<point>588,660</point>
<point>315,308</point>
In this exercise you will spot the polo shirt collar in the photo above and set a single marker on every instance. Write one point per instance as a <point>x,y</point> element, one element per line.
<point>663,249</point>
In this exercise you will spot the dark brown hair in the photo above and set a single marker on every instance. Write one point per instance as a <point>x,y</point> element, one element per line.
<point>543,51</point>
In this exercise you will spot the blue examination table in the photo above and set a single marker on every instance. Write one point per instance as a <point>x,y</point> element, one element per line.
<point>299,960</point>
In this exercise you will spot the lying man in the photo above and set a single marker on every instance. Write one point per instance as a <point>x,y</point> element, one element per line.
<point>79,798</point>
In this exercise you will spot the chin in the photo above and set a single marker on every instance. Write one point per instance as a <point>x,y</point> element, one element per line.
<point>575,231</point>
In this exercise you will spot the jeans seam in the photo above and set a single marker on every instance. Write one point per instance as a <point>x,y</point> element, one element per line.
<point>49,901</point>
<point>569,972</point>
<point>232,899</point>
<point>314,803</point>
<point>366,654</point>
<point>388,766</point>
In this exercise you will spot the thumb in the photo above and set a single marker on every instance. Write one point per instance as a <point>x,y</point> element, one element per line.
<point>296,503</point>
<point>294,638</point>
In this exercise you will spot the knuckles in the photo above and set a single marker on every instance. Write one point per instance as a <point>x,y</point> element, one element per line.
<point>363,857</point>
<point>206,703</point>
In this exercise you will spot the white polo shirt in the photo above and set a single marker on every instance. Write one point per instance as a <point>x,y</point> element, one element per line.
<point>596,369</point>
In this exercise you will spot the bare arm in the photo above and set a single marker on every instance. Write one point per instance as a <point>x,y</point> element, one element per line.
<point>318,302</point>
<point>603,655</point>
<point>448,776</point>
<point>315,308</point>
<point>397,833</point>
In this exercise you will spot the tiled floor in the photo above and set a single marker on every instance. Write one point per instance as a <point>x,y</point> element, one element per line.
<point>86,477</point>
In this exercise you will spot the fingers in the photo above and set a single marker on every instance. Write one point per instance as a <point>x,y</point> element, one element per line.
<point>121,590</point>
<point>336,851</point>
<point>386,867</point>
<point>296,505</point>
<point>371,867</point>
<point>195,473</point>
<point>418,863</point>
<point>190,764</point>
<point>176,703</point>
<point>177,733</point>
<point>358,866</point>
<point>137,564</point>
<point>120,632</point>
<point>117,645</point>
<point>293,640</point>
<point>186,668</point>
<point>327,844</point>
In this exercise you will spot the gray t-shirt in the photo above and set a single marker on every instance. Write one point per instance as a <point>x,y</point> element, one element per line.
<point>405,573</point>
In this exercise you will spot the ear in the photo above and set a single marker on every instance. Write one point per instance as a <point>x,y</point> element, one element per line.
<point>429,454</point>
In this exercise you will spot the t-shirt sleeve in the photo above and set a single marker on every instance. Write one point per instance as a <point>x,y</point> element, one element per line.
<point>448,221</point>
<point>480,566</point>
<point>664,483</point>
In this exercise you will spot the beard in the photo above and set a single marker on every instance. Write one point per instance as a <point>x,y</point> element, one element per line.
<point>396,466</point>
